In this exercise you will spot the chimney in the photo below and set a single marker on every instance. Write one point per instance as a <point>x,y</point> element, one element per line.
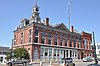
<point>47,21</point>
<point>72,29</point>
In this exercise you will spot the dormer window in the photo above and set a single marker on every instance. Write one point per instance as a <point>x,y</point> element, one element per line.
<point>27,22</point>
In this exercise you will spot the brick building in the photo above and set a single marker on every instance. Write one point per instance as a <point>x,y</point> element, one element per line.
<point>46,42</point>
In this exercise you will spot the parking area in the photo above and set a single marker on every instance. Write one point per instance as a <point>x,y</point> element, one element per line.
<point>77,63</point>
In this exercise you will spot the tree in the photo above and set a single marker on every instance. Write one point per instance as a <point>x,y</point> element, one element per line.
<point>8,56</point>
<point>21,53</point>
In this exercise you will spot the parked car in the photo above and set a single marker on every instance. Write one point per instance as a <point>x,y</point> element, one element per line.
<point>98,59</point>
<point>93,65</point>
<point>13,62</point>
<point>67,61</point>
<point>87,59</point>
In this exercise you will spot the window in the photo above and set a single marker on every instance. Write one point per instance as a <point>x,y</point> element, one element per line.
<point>29,39</point>
<point>79,44</point>
<point>21,35</point>
<point>0,52</point>
<point>56,39</point>
<point>21,41</point>
<point>30,35</point>
<point>49,42</point>
<point>61,41</point>
<point>49,35</point>
<point>5,53</point>
<point>36,32</point>
<point>14,37</point>
<point>21,38</point>
<point>43,40</point>
<point>43,34</point>
<point>36,40</point>
<point>98,46</point>
<point>85,43</point>
<point>27,22</point>
<point>65,43</point>
<point>30,32</point>
<point>14,42</point>
<point>70,43</point>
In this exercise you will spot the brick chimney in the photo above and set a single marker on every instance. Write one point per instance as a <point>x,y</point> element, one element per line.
<point>72,29</point>
<point>47,21</point>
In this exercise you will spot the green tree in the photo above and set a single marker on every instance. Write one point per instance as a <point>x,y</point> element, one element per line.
<point>21,53</point>
<point>8,56</point>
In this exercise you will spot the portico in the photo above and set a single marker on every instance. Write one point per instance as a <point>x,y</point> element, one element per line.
<point>52,53</point>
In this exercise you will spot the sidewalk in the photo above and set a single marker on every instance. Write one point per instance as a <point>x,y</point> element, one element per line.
<point>2,64</point>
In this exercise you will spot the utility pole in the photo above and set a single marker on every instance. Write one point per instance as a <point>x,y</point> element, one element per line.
<point>95,56</point>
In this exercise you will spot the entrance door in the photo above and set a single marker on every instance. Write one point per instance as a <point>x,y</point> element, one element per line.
<point>35,53</point>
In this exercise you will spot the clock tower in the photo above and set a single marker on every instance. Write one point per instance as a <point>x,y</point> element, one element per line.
<point>35,14</point>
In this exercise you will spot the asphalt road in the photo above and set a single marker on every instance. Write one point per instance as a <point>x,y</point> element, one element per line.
<point>77,63</point>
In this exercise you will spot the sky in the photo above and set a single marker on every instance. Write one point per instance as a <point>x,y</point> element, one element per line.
<point>85,15</point>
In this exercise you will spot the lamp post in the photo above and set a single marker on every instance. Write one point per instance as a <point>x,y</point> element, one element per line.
<point>95,56</point>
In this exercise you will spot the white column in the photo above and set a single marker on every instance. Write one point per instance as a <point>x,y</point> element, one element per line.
<point>74,54</point>
<point>68,53</point>
<point>60,54</point>
<point>65,54</point>
<point>56,54</point>
<point>52,53</point>
<point>48,54</point>
<point>44,54</point>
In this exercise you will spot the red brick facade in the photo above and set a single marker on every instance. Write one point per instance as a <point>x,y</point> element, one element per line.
<point>31,37</point>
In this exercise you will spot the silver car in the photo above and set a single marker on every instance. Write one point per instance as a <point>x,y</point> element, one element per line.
<point>13,62</point>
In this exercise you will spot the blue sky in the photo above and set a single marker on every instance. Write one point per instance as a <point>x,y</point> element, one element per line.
<point>85,15</point>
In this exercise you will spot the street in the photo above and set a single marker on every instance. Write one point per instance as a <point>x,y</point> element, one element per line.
<point>77,63</point>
